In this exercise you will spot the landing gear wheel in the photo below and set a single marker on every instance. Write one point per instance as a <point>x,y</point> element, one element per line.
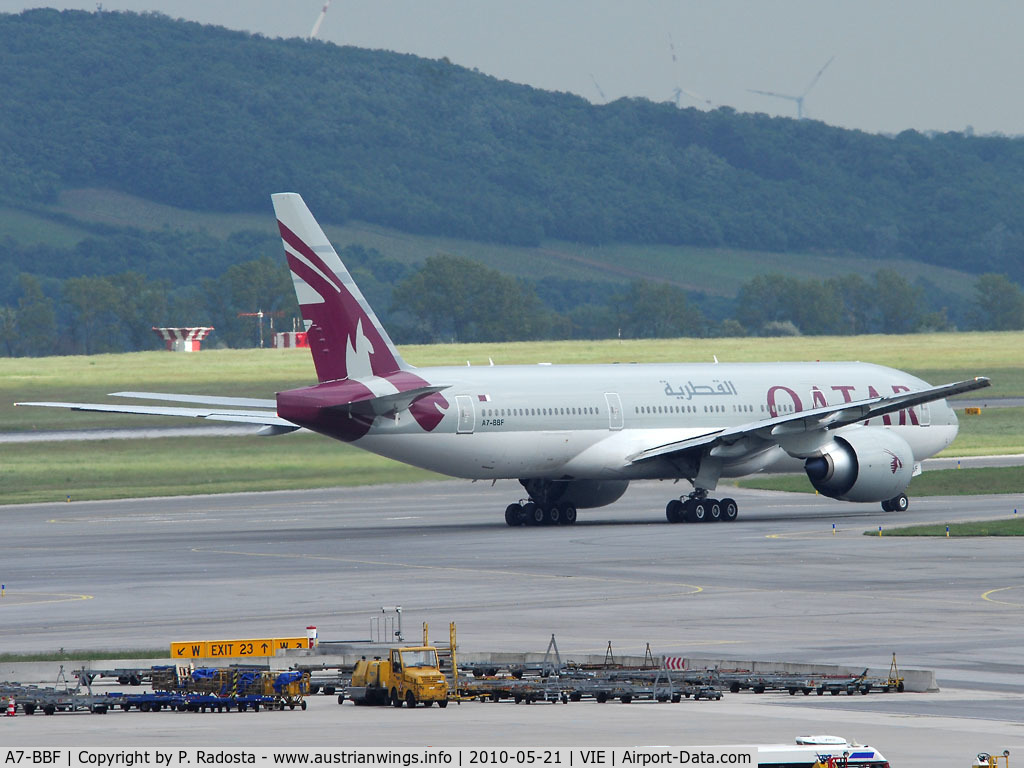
<point>513,515</point>
<point>554,515</point>
<point>897,504</point>
<point>697,511</point>
<point>729,510</point>
<point>714,511</point>
<point>674,511</point>
<point>568,515</point>
<point>533,514</point>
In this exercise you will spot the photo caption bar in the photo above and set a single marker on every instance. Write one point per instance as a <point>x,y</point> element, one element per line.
<point>458,757</point>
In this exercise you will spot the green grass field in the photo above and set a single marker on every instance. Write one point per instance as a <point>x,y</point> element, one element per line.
<point>1013,526</point>
<point>26,227</point>
<point>173,466</point>
<point>943,482</point>
<point>716,270</point>
<point>110,469</point>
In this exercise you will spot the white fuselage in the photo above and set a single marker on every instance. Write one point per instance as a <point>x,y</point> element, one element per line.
<point>587,421</point>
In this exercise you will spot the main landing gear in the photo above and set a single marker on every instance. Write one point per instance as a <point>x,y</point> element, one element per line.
<point>698,508</point>
<point>896,504</point>
<point>532,513</point>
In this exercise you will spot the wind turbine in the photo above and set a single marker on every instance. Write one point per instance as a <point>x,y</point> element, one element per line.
<point>678,92</point>
<point>798,99</point>
<point>319,20</point>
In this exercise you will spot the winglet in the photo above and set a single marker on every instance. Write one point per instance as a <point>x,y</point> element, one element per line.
<point>345,336</point>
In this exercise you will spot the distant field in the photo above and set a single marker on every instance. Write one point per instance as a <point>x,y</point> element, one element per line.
<point>718,271</point>
<point>111,469</point>
<point>116,469</point>
<point>25,227</point>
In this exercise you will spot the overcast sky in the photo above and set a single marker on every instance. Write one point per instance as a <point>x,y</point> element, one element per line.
<point>924,64</point>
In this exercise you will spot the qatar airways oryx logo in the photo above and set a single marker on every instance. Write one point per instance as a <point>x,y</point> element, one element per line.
<point>343,334</point>
<point>896,464</point>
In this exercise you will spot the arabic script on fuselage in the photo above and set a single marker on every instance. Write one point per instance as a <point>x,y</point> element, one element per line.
<point>689,390</point>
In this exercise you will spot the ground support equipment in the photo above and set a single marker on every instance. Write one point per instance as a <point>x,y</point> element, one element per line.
<point>125,675</point>
<point>573,683</point>
<point>29,698</point>
<point>742,680</point>
<point>326,679</point>
<point>177,702</point>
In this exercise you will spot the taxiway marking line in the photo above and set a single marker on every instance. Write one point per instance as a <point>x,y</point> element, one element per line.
<point>986,596</point>
<point>12,598</point>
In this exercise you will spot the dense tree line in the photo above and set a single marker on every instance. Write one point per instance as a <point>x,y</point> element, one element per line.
<point>452,298</point>
<point>207,118</point>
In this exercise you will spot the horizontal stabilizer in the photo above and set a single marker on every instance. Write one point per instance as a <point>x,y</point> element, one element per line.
<point>265,418</point>
<point>390,405</point>
<point>231,402</point>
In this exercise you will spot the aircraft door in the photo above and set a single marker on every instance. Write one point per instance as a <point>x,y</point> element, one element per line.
<point>614,410</point>
<point>467,415</point>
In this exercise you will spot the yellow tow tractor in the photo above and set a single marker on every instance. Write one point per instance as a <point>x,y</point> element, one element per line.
<point>410,675</point>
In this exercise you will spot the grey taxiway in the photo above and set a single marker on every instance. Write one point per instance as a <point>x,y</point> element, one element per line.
<point>794,579</point>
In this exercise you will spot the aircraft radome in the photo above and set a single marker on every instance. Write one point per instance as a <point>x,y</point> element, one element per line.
<point>576,435</point>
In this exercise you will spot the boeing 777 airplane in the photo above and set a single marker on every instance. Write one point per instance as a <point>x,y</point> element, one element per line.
<point>576,435</point>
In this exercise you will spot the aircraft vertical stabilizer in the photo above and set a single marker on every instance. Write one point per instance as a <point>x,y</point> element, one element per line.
<point>345,336</point>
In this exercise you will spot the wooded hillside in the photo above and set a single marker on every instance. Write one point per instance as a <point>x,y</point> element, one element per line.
<point>207,118</point>
<point>210,120</point>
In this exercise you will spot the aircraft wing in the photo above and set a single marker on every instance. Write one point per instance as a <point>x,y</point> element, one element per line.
<point>737,441</point>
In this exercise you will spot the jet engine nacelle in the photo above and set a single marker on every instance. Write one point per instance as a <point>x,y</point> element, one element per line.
<point>868,464</point>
